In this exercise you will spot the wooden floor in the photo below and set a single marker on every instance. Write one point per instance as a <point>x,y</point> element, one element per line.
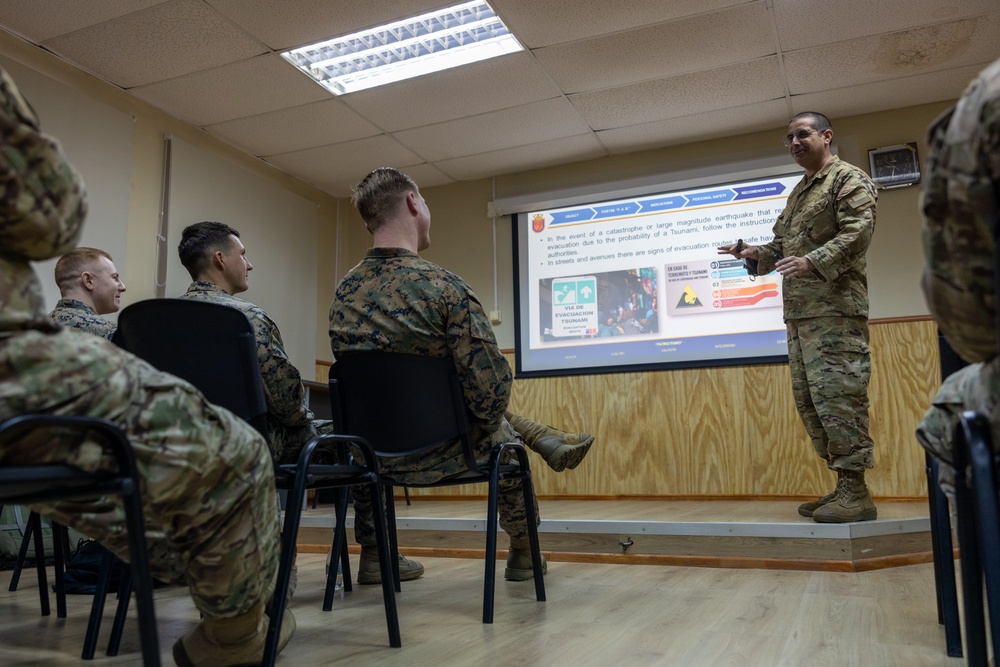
<point>719,533</point>
<point>596,614</point>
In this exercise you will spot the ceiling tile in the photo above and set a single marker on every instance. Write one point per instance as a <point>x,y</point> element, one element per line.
<point>658,51</point>
<point>285,24</point>
<point>698,127</point>
<point>296,128</point>
<point>488,85</point>
<point>884,95</point>
<point>346,162</point>
<point>539,23</point>
<point>881,57</point>
<point>683,95</point>
<point>246,88</point>
<point>167,40</point>
<point>40,20</point>
<point>506,128</point>
<point>521,158</point>
<point>842,20</point>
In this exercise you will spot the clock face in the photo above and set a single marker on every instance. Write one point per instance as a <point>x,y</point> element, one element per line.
<point>895,166</point>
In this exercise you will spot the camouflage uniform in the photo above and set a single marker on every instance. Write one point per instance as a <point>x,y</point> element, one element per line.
<point>75,314</point>
<point>395,301</point>
<point>290,422</point>
<point>829,220</point>
<point>960,203</point>
<point>208,487</point>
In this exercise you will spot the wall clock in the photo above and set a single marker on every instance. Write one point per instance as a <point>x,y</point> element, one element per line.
<point>894,166</point>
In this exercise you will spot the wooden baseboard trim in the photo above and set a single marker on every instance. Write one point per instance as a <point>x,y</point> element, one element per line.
<point>415,497</point>
<point>862,565</point>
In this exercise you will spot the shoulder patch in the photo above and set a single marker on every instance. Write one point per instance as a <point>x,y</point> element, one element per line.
<point>860,200</point>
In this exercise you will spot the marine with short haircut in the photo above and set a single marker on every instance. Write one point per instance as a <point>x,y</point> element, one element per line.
<point>396,301</point>
<point>90,287</point>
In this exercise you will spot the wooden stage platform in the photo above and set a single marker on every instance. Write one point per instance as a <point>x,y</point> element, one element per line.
<point>764,534</point>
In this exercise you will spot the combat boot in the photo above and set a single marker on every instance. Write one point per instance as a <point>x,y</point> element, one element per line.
<point>807,509</point>
<point>230,642</point>
<point>369,572</point>
<point>519,561</point>
<point>853,502</point>
<point>559,449</point>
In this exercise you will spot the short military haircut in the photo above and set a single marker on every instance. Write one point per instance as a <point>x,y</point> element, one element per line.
<point>819,122</point>
<point>199,241</point>
<point>71,266</point>
<point>379,193</point>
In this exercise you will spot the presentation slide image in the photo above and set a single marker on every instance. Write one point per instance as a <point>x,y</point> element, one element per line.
<point>601,305</point>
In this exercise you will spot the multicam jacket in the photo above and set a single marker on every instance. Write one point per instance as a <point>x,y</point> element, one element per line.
<point>828,219</point>
<point>74,314</point>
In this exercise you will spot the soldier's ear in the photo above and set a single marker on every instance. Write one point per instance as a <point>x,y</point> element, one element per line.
<point>87,280</point>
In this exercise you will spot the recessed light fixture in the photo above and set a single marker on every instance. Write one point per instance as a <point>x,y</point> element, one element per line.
<point>431,42</point>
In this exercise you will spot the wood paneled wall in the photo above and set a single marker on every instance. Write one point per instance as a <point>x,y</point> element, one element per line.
<point>726,432</point>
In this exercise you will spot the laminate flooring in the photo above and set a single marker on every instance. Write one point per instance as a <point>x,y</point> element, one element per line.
<point>596,614</point>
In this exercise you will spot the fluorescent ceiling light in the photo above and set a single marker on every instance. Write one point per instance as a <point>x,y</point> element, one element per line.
<point>431,42</point>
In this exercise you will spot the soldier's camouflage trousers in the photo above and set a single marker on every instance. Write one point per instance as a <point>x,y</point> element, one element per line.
<point>208,481</point>
<point>830,365</point>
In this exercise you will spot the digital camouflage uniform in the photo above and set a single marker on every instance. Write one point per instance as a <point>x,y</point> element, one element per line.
<point>395,301</point>
<point>290,422</point>
<point>74,314</point>
<point>960,203</point>
<point>208,489</point>
<point>829,220</point>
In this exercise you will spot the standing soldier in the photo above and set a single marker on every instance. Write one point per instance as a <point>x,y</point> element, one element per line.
<point>819,247</point>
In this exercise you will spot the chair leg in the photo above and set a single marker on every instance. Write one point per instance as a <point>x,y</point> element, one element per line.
<point>406,493</point>
<point>124,595</point>
<point>60,551</point>
<point>141,578</point>
<point>43,584</point>
<point>293,515</point>
<point>390,509</point>
<point>972,572</point>
<point>984,484</point>
<point>97,606</point>
<point>337,550</point>
<point>22,553</point>
<point>489,579</point>
<point>528,488</point>
<point>387,562</point>
<point>944,562</point>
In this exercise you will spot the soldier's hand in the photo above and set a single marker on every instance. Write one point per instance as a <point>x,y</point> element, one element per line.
<point>793,267</point>
<point>739,250</point>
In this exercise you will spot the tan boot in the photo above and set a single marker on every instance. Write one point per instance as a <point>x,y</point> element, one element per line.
<point>853,502</point>
<point>807,509</point>
<point>230,642</point>
<point>519,561</point>
<point>369,573</point>
<point>559,449</point>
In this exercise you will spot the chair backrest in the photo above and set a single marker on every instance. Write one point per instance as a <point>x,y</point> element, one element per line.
<point>210,345</point>
<point>400,403</point>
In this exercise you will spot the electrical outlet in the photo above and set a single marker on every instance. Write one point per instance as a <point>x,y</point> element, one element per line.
<point>495,317</point>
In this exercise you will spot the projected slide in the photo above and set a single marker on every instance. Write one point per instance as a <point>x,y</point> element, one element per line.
<point>638,281</point>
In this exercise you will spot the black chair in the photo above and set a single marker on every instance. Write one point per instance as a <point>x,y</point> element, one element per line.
<point>214,348</point>
<point>53,482</point>
<point>403,404</point>
<point>978,509</point>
